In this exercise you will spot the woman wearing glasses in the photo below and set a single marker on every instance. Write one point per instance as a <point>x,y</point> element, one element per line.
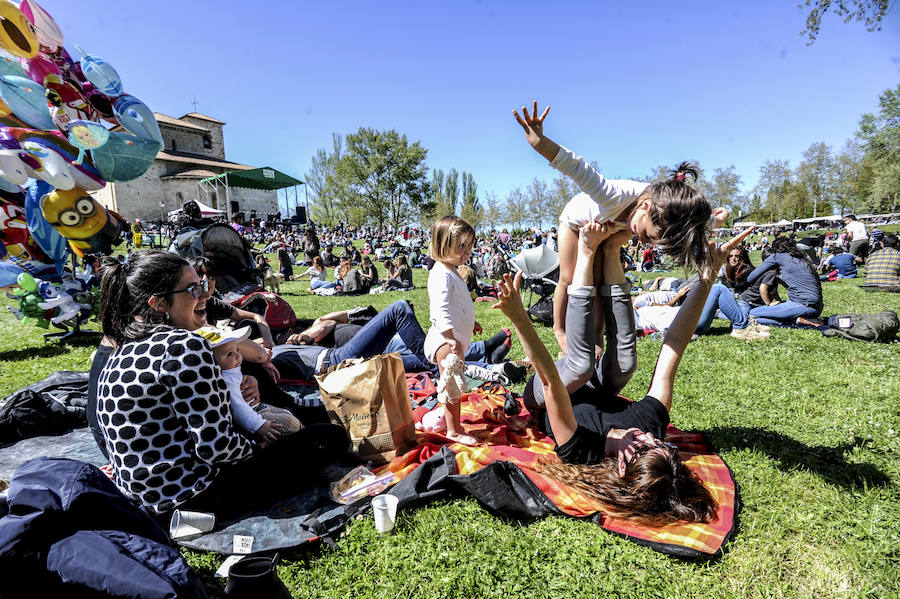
<point>163,407</point>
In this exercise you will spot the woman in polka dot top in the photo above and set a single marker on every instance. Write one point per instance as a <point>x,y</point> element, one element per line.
<point>163,406</point>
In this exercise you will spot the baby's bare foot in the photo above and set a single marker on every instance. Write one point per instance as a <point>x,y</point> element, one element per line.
<point>462,438</point>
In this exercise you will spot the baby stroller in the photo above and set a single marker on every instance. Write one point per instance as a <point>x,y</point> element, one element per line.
<point>540,274</point>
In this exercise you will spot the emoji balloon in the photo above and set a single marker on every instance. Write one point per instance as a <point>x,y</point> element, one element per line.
<point>17,34</point>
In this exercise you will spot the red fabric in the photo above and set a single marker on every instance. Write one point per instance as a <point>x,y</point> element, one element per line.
<point>511,439</point>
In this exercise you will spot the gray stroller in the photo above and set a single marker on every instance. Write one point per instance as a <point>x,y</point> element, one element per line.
<point>540,275</point>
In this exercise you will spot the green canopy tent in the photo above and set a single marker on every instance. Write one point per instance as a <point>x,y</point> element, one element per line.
<point>266,178</point>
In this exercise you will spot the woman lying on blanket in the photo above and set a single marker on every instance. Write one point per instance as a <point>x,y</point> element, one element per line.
<point>612,450</point>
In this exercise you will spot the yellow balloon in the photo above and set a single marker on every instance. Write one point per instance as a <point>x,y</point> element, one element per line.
<point>17,35</point>
<point>80,219</point>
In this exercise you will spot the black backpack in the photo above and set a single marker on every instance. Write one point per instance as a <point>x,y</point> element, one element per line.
<point>878,328</point>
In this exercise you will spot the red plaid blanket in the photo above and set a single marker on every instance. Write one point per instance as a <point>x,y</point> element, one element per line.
<point>509,438</point>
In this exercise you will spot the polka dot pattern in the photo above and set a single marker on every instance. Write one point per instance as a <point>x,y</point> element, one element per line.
<point>167,423</point>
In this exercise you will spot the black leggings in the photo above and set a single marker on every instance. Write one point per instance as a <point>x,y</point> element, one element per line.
<point>283,469</point>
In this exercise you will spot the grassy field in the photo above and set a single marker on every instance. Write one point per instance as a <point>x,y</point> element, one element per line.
<point>810,427</point>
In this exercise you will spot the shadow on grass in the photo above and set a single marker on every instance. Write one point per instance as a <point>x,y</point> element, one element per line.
<point>827,462</point>
<point>52,347</point>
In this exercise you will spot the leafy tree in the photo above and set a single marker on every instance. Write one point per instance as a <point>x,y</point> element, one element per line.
<point>437,195</point>
<point>880,140</point>
<point>384,177</point>
<point>451,192</point>
<point>816,172</point>
<point>493,211</point>
<point>323,185</point>
<point>870,12</point>
<point>538,198</point>
<point>471,207</point>
<point>515,208</point>
<point>773,174</point>
<point>723,189</point>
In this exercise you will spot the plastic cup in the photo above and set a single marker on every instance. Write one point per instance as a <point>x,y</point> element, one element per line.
<point>385,510</point>
<point>187,524</point>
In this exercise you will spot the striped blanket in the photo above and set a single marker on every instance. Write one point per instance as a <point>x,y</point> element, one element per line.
<point>511,439</point>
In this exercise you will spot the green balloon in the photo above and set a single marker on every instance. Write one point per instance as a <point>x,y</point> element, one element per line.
<point>27,282</point>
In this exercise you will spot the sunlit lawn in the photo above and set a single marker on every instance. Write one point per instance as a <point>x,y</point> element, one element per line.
<point>809,426</point>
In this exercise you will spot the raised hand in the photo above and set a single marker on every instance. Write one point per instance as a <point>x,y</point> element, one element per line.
<point>718,253</point>
<point>509,300</point>
<point>720,215</point>
<point>532,124</point>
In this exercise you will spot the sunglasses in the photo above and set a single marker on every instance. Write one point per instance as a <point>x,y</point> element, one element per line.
<point>195,290</point>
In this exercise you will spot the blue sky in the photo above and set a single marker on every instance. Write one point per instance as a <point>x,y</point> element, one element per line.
<point>632,85</point>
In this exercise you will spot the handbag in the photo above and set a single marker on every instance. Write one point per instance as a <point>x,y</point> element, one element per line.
<point>370,399</point>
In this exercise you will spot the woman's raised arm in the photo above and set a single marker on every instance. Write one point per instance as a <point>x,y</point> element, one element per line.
<point>679,334</point>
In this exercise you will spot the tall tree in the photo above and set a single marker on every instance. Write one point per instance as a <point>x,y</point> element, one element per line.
<point>816,172</point>
<point>451,192</point>
<point>773,174</point>
<point>437,194</point>
<point>538,197</point>
<point>471,211</point>
<point>879,134</point>
<point>492,211</point>
<point>870,12</point>
<point>515,208</point>
<point>322,184</point>
<point>384,176</point>
<point>723,189</point>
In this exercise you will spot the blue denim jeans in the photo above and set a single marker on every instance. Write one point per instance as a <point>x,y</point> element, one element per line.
<point>722,298</point>
<point>411,363</point>
<point>320,284</point>
<point>783,314</point>
<point>373,338</point>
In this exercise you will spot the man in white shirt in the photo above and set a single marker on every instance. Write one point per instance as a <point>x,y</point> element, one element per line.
<point>859,240</point>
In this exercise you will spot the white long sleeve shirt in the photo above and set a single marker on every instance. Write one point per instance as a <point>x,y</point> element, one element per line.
<point>602,199</point>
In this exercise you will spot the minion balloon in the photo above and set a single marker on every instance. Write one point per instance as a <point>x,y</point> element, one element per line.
<point>88,226</point>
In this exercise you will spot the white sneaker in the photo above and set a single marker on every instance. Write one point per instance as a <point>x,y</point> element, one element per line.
<point>749,334</point>
<point>753,322</point>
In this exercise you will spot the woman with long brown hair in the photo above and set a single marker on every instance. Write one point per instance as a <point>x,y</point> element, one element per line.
<point>737,268</point>
<point>610,449</point>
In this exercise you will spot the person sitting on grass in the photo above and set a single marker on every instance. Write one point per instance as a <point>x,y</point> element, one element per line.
<point>163,407</point>
<point>612,450</point>
<point>799,276</point>
<point>843,262</point>
<point>399,276</point>
<point>318,275</point>
<point>883,266</point>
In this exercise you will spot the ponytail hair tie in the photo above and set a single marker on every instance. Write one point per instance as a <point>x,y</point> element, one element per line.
<point>679,177</point>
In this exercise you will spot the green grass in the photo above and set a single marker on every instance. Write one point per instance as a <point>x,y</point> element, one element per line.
<point>810,427</point>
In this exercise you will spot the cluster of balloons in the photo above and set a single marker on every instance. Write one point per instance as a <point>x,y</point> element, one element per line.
<point>66,304</point>
<point>56,146</point>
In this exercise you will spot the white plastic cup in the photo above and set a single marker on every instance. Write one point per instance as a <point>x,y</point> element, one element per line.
<point>187,524</point>
<point>385,510</point>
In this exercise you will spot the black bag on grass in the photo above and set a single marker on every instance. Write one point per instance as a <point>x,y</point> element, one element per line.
<point>877,328</point>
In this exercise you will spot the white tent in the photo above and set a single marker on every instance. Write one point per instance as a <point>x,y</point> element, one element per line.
<point>783,222</point>
<point>208,210</point>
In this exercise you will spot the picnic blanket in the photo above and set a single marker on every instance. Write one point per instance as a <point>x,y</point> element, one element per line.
<point>508,438</point>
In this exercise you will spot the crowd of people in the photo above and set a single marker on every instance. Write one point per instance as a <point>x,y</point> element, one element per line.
<point>190,413</point>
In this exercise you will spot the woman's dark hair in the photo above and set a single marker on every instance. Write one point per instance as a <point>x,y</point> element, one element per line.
<point>125,291</point>
<point>203,264</point>
<point>736,272</point>
<point>657,488</point>
<point>681,213</point>
<point>786,245</point>
<point>402,261</point>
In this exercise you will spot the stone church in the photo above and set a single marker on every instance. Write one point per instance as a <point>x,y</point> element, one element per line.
<point>193,149</point>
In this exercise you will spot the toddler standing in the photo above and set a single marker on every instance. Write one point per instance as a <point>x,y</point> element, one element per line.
<point>452,315</point>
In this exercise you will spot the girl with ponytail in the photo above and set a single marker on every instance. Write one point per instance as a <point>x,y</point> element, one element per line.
<point>672,213</point>
<point>610,449</point>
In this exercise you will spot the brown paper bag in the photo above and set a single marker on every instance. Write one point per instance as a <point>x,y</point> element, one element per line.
<point>369,397</point>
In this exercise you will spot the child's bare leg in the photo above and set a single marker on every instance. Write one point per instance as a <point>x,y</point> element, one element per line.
<point>452,408</point>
